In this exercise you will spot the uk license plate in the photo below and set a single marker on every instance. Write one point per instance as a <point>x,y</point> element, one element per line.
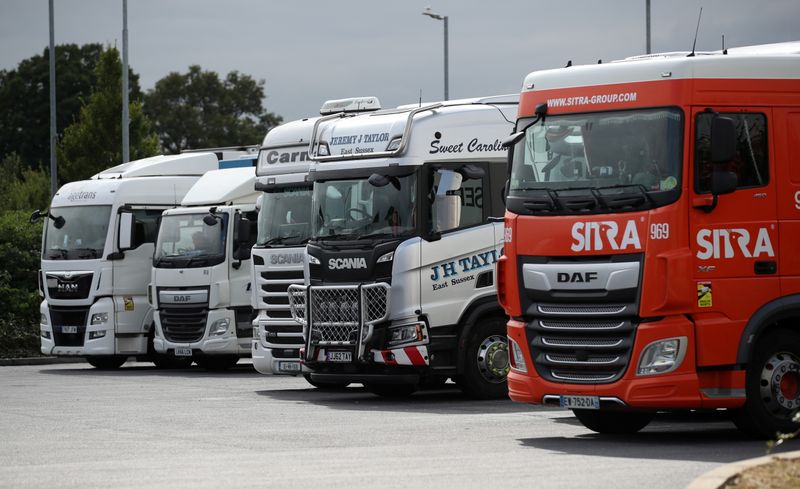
<point>183,352</point>
<point>580,402</point>
<point>291,367</point>
<point>69,329</point>
<point>339,356</point>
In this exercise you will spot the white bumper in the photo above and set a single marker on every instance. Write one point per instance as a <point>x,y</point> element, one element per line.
<point>93,342</point>
<point>222,344</point>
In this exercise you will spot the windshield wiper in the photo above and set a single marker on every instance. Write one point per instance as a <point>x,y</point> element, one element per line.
<point>282,240</point>
<point>624,200</point>
<point>92,253</point>
<point>377,235</point>
<point>62,253</point>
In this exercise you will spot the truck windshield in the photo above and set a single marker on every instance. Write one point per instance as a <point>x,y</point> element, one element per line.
<point>355,209</point>
<point>599,161</point>
<point>186,241</point>
<point>285,217</point>
<point>76,233</point>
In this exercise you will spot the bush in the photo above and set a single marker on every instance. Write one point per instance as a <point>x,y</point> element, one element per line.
<point>19,298</point>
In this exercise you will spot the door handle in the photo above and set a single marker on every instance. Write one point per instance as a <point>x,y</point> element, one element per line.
<point>769,267</point>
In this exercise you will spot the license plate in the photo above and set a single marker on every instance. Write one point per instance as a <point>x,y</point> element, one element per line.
<point>580,402</point>
<point>339,356</point>
<point>183,352</point>
<point>288,366</point>
<point>69,329</point>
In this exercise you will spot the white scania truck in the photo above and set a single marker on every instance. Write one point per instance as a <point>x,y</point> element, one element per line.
<point>400,284</point>
<point>97,249</point>
<point>200,287</point>
<point>284,225</point>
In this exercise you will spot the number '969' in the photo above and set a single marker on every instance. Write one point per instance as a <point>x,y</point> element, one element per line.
<point>659,231</point>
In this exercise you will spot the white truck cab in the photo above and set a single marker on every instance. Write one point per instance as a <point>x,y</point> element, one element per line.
<point>200,287</point>
<point>400,281</point>
<point>97,249</point>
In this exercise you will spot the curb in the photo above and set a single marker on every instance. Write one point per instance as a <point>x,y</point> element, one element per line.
<point>11,362</point>
<point>714,479</point>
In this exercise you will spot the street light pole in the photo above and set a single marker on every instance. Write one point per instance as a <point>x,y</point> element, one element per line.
<point>436,16</point>
<point>647,24</point>
<point>126,150</point>
<point>52,54</point>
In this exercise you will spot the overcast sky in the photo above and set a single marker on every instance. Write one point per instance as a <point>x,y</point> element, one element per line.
<point>311,51</point>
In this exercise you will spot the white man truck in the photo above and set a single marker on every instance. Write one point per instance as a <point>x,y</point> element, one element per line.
<point>284,225</point>
<point>400,285</point>
<point>200,288</point>
<point>97,248</point>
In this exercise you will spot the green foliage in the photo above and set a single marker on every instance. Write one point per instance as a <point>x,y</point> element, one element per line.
<point>19,300</point>
<point>199,110</point>
<point>94,143</point>
<point>22,188</point>
<point>25,99</point>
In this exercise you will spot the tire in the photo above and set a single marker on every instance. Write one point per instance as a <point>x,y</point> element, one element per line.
<point>393,391</point>
<point>217,362</point>
<point>326,386</point>
<point>772,386</point>
<point>613,422</point>
<point>107,362</point>
<point>486,360</point>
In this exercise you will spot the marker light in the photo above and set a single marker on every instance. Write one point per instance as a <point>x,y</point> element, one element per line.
<point>517,359</point>
<point>43,319</point>
<point>386,257</point>
<point>394,144</point>
<point>313,260</point>
<point>662,356</point>
<point>323,150</point>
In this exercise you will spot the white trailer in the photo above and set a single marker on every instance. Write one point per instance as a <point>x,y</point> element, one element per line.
<point>284,225</point>
<point>97,250</point>
<point>400,281</point>
<point>200,287</point>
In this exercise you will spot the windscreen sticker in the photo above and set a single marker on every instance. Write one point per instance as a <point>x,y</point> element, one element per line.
<point>704,294</point>
<point>128,301</point>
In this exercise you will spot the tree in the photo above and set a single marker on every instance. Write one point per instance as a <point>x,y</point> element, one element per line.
<point>199,110</point>
<point>94,143</point>
<point>25,99</point>
<point>22,188</point>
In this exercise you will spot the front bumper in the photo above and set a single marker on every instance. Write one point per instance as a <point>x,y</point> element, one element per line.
<point>225,344</point>
<point>80,343</point>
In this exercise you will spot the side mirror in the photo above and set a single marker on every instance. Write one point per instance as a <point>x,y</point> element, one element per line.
<point>259,202</point>
<point>126,231</point>
<point>723,140</point>
<point>723,181</point>
<point>35,216</point>
<point>504,191</point>
<point>241,238</point>
<point>447,203</point>
<point>471,172</point>
<point>510,141</point>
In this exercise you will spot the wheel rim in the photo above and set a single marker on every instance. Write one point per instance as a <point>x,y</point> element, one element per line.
<point>780,384</point>
<point>493,359</point>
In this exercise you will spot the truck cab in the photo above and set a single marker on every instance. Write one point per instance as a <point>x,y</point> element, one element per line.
<point>200,286</point>
<point>399,287</point>
<point>97,248</point>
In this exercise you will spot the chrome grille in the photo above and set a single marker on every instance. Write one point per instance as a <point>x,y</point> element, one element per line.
<point>582,342</point>
<point>593,378</point>
<point>570,325</point>
<point>184,324</point>
<point>588,360</point>
<point>588,310</point>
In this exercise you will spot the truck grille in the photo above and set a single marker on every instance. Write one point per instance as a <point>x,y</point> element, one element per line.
<point>272,294</point>
<point>68,285</point>
<point>338,312</point>
<point>184,324</point>
<point>68,316</point>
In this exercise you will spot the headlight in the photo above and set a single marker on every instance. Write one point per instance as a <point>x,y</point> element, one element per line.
<point>45,334</point>
<point>43,319</point>
<point>219,327</point>
<point>517,359</point>
<point>662,356</point>
<point>99,318</point>
<point>387,257</point>
<point>93,335</point>
<point>313,260</point>
<point>406,333</point>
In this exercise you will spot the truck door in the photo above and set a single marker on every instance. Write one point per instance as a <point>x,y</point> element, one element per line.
<point>243,236</point>
<point>735,244</point>
<point>458,268</point>
<point>131,274</point>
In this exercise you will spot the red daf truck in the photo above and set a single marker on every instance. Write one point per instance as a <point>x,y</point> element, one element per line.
<point>651,258</point>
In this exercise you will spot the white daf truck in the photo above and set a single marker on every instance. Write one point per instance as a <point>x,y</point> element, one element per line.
<point>400,281</point>
<point>97,250</point>
<point>200,287</point>
<point>284,225</point>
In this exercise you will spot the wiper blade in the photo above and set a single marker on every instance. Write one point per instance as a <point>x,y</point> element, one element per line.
<point>62,253</point>
<point>92,252</point>
<point>280,240</point>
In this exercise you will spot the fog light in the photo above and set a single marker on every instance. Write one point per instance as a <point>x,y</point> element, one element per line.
<point>100,318</point>
<point>517,359</point>
<point>405,334</point>
<point>662,356</point>
<point>387,257</point>
<point>220,326</point>
<point>45,334</point>
<point>93,335</point>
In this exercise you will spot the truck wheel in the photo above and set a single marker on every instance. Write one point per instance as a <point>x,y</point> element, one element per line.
<point>107,362</point>
<point>613,422</point>
<point>772,387</point>
<point>217,362</point>
<point>486,360</point>
<point>326,386</point>
<point>392,390</point>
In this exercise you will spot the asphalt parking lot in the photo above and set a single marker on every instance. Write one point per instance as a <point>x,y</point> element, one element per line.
<point>73,426</point>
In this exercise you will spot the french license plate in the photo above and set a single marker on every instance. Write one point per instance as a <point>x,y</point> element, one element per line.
<point>339,356</point>
<point>69,329</point>
<point>289,367</point>
<point>183,352</point>
<point>580,402</point>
